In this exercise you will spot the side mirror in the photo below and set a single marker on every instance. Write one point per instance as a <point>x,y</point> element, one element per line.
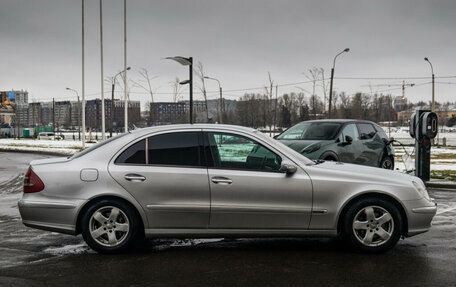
<point>288,168</point>
<point>348,139</point>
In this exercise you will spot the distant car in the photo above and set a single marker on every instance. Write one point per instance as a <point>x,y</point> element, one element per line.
<point>48,136</point>
<point>217,181</point>
<point>350,141</point>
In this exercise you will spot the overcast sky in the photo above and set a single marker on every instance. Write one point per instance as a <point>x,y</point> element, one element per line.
<point>238,42</point>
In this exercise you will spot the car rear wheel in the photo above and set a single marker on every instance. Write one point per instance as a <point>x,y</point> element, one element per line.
<point>373,225</point>
<point>110,226</point>
<point>387,163</point>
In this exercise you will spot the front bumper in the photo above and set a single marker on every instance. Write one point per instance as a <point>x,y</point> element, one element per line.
<point>419,215</point>
<point>58,215</point>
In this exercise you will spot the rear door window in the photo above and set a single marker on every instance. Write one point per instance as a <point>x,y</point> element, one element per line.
<point>176,149</point>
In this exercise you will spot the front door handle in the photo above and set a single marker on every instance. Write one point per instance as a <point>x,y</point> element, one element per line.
<point>221,180</point>
<point>134,177</point>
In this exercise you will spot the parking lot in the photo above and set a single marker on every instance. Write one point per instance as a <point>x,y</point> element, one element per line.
<point>31,257</point>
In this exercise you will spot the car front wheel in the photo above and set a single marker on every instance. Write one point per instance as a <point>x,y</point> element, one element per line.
<point>373,225</point>
<point>109,226</point>
<point>387,163</point>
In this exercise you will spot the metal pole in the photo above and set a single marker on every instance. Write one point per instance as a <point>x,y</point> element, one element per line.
<point>112,106</point>
<point>433,102</point>
<point>79,119</point>
<point>83,87</point>
<point>125,66</point>
<point>221,104</point>
<point>191,89</point>
<point>103,112</point>
<point>275,108</point>
<point>330,93</point>
<point>53,115</point>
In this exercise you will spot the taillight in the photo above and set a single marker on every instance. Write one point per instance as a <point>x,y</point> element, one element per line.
<point>32,183</point>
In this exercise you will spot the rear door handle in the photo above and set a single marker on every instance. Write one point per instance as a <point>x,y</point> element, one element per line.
<point>221,180</point>
<point>134,177</point>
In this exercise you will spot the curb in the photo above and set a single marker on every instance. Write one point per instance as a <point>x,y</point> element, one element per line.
<point>445,185</point>
<point>35,152</point>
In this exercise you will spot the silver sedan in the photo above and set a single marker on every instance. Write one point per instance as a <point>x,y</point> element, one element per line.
<point>218,181</point>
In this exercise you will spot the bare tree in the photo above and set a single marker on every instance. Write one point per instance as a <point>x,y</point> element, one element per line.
<point>324,86</point>
<point>314,75</point>
<point>201,75</point>
<point>145,83</point>
<point>175,85</point>
<point>268,112</point>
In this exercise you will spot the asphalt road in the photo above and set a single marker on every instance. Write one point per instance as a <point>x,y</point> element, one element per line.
<point>31,257</point>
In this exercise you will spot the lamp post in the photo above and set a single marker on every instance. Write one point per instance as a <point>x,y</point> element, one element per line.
<point>79,112</point>
<point>332,79</point>
<point>187,62</point>
<point>432,70</point>
<point>112,100</point>
<point>83,85</point>
<point>221,99</point>
<point>125,67</point>
<point>103,111</point>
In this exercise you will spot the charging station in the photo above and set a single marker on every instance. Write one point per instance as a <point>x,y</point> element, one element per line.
<point>423,128</point>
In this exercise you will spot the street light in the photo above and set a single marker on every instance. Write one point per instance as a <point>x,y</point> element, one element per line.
<point>83,78</point>
<point>332,78</point>
<point>112,99</point>
<point>432,70</point>
<point>79,112</point>
<point>186,62</point>
<point>221,98</point>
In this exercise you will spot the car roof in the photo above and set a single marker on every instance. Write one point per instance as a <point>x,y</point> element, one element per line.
<point>338,121</point>
<point>191,126</point>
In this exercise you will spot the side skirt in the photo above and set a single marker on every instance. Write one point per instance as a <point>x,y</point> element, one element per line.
<point>208,233</point>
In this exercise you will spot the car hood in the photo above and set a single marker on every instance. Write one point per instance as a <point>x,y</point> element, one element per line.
<point>366,174</point>
<point>300,145</point>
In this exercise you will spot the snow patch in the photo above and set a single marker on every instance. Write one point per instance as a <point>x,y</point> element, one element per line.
<point>79,248</point>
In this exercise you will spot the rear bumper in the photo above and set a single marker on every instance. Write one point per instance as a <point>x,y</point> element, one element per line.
<point>419,215</point>
<point>53,215</point>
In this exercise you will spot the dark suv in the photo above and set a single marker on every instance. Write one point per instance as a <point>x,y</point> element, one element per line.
<point>350,141</point>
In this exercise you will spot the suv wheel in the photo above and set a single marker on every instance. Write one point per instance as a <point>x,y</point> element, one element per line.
<point>387,163</point>
<point>109,226</point>
<point>373,225</point>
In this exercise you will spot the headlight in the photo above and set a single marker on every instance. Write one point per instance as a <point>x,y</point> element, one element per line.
<point>421,189</point>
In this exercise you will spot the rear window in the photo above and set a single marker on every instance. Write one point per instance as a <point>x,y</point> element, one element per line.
<point>381,132</point>
<point>135,154</point>
<point>366,131</point>
<point>98,145</point>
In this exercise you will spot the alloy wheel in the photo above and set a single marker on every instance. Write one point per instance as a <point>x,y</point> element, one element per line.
<point>109,226</point>
<point>373,226</point>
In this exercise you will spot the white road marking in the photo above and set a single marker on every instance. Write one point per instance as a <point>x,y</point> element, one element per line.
<point>446,210</point>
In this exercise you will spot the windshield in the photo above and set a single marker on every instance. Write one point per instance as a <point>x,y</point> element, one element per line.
<point>273,142</point>
<point>311,131</point>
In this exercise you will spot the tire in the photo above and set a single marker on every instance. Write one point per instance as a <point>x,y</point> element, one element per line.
<point>387,163</point>
<point>110,233</point>
<point>329,156</point>
<point>366,230</point>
